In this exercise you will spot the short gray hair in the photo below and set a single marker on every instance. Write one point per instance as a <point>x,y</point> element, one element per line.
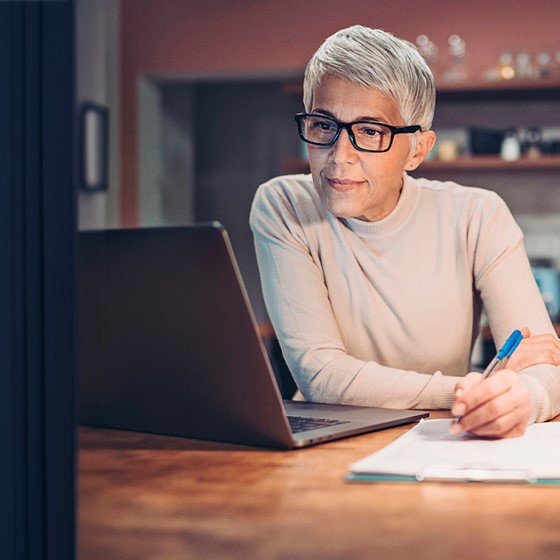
<point>375,58</point>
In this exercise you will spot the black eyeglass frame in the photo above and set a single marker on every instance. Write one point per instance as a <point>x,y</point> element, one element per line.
<point>348,127</point>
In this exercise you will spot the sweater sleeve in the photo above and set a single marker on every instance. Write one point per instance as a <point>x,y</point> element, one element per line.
<point>503,276</point>
<point>298,304</point>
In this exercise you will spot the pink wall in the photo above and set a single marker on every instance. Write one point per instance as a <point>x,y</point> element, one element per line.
<point>209,35</point>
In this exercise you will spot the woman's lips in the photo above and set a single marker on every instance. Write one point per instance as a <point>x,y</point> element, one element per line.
<point>344,185</point>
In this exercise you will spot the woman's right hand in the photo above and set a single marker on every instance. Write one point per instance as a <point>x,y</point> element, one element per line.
<point>533,350</point>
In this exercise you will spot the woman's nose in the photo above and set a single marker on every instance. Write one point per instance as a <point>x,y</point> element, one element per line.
<point>342,150</point>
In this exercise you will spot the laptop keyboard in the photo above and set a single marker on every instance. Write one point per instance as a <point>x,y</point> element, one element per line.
<point>306,423</point>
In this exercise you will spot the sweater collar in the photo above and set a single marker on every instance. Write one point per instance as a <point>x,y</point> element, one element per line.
<point>395,220</point>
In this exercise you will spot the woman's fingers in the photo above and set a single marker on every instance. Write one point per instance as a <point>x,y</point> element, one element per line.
<point>487,389</point>
<point>547,339</point>
<point>498,406</point>
<point>517,430</point>
<point>496,416</point>
<point>466,383</point>
<point>510,424</point>
<point>540,349</point>
<point>473,411</point>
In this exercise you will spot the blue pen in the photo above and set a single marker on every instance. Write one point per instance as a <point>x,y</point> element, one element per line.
<point>501,357</point>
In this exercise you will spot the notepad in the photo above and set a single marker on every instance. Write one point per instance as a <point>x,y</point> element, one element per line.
<point>429,452</point>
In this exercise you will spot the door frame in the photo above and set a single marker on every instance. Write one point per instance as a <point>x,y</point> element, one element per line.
<point>37,247</point>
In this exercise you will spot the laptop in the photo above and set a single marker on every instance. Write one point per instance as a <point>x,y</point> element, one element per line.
<point>168,344</point>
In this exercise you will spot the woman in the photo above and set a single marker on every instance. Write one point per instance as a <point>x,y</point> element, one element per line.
<point>375,281</point>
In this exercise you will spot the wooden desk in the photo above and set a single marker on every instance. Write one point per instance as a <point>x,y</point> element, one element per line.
<point>165,498</point>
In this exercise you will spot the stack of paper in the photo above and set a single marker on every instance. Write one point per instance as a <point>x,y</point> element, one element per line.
<point>429,452</point>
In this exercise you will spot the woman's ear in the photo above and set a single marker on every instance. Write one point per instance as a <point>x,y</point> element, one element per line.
<point>424,143</point>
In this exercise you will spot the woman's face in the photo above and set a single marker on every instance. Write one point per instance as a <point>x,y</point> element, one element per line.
<point>352,183</point>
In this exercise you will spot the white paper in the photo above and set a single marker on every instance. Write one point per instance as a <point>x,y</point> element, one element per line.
<point>429,445</point>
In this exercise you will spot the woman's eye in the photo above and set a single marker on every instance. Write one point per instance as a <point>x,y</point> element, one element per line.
<point>369,131</point>
<point>324,125</point>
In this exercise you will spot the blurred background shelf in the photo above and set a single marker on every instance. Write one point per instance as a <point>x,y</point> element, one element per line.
<point>505,90</point>
<point>542,84</point>
<point>542,163</point>
<point>493,162</point>
<point>478,88</point>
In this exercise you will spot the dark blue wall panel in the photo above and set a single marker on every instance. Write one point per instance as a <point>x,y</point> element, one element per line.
<point>37,232</point>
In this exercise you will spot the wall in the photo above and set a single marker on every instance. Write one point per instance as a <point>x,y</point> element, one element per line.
<point>178,149</point>
<point>182,37</point>
<point>236,152</point>
<point>97,80</point>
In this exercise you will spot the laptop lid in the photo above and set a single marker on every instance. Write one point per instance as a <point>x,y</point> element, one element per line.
<point>168,342</point>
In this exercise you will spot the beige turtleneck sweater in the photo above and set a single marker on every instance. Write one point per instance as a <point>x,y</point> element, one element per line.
<point>385,313</point>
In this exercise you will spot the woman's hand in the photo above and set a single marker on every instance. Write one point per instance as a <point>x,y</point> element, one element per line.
<point>498,406</point>
<point>533,350</point>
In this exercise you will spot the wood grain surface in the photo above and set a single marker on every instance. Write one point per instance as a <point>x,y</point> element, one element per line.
<point>153,497</point>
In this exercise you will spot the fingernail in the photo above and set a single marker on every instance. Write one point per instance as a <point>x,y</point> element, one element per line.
<point>456,428</point>
<point>459,409</point>
<point>458,393</point>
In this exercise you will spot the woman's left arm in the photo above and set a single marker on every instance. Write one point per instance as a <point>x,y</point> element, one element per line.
<point>503,276</point>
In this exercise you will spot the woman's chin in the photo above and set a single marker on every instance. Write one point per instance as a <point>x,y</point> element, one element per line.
<point>342,210</point>
<point>340,204</point>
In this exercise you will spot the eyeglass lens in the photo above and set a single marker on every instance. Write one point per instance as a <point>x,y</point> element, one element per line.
<point>369,136</point>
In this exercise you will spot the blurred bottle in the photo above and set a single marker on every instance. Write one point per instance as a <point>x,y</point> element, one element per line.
<point>523,67</point>
<point>506,71</point>
<point>534,143</point>
<point>448,150</point>
<point>510,147</point>
<point>556,69</point>
<point>429,51</point>
<point>457,52</point>
<point>544,65</point>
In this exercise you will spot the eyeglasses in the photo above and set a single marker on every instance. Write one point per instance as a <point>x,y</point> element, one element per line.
<point>366,136</point>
